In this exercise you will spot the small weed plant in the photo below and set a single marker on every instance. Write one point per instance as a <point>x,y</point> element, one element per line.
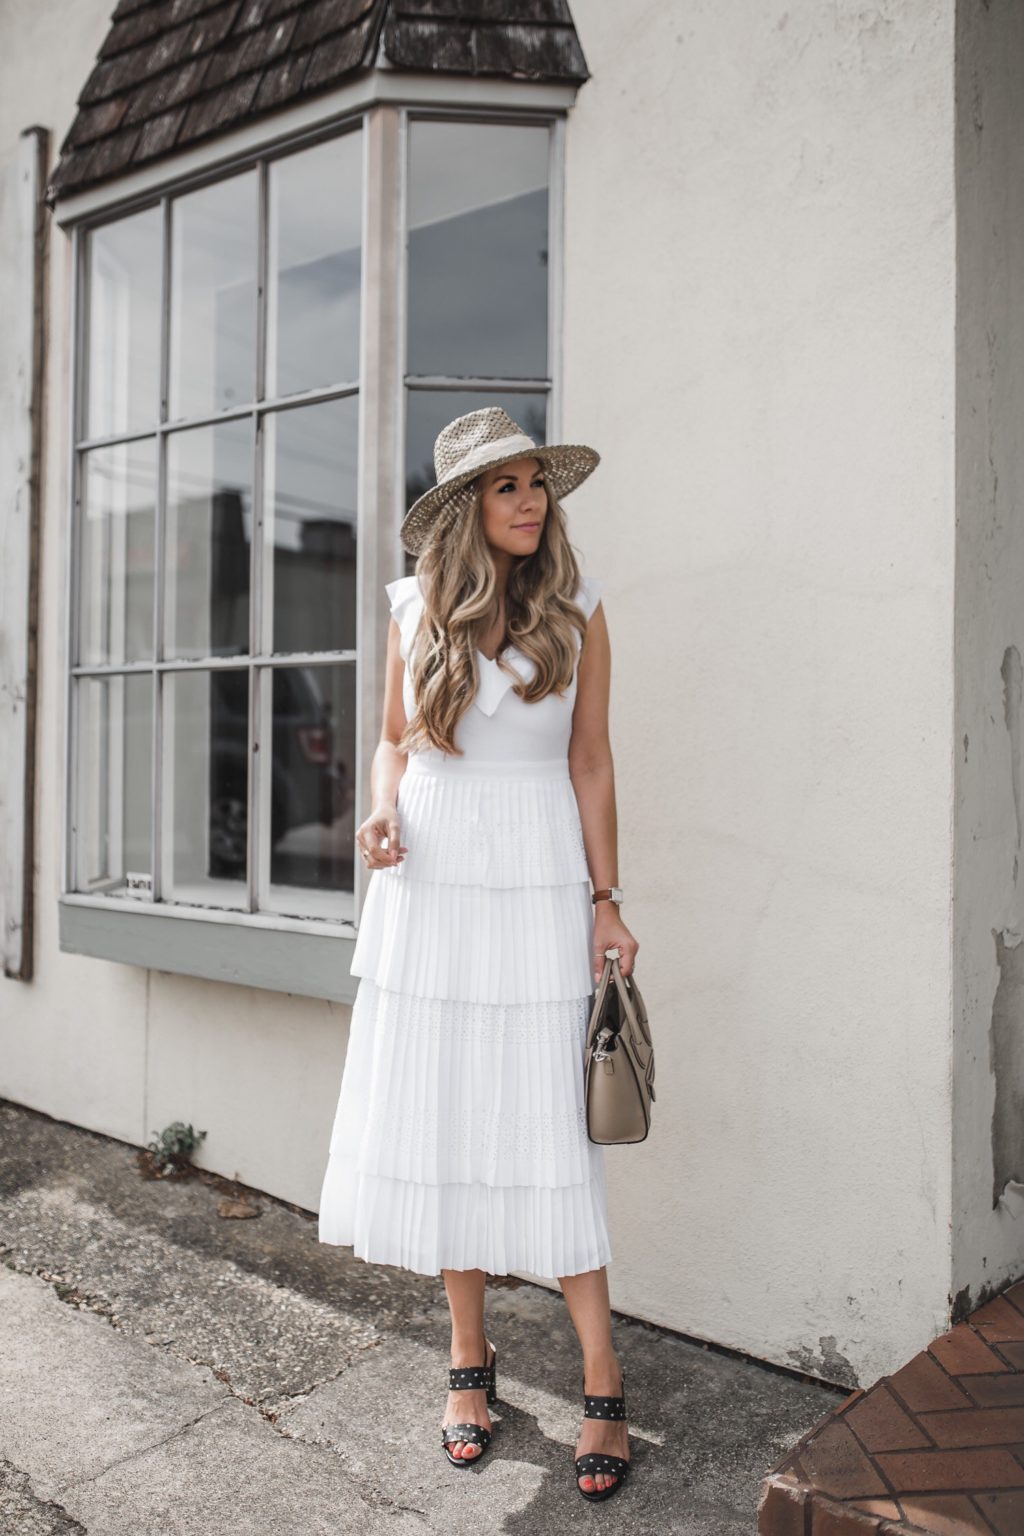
<point>171,1149</point>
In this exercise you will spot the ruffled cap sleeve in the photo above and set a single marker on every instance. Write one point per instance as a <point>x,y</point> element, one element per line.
<point>589,594</point>
<point>406,601</point>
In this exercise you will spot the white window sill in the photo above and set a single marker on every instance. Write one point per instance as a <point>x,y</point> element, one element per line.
<point>307,957</point>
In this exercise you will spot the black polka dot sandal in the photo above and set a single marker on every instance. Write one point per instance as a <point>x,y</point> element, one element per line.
<point>470,1378</point>
<point>595,1462</point>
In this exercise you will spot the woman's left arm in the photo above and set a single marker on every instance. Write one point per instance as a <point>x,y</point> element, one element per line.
<point>593,778</point>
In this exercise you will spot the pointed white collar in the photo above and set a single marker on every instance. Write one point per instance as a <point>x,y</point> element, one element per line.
<point>495,682</point>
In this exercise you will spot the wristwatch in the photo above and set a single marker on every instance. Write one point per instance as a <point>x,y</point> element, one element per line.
<point>609,893</point>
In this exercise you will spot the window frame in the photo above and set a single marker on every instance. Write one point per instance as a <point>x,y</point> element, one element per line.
<point>279,952</point>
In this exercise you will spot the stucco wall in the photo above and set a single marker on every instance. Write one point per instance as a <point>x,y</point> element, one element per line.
<point>759,337</point>
<point>988,1186</point>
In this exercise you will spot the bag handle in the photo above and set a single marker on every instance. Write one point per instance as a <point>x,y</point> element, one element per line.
<point>632,1002</point>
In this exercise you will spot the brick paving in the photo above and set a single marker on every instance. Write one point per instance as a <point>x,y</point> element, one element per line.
<point>937,1447</point>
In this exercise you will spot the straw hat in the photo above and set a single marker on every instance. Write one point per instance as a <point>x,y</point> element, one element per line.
<point>469,445</point>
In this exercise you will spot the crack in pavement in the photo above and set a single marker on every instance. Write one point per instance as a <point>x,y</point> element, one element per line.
<point>71,1295</point>
<point>281,1399</point>
<point>27,1511</point>
<point>372,1497</point>
<point>145,1450</point>
<point>66,1289</point>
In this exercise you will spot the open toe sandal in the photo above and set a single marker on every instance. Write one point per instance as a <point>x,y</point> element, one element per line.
<point>469,1378</point>
<point>599,1461</point>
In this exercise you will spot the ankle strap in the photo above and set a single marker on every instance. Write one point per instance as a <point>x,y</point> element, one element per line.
<point>603,1407</point>
<point>467,1378</point>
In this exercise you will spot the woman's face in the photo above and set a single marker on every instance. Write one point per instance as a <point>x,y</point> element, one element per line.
<point>514,506</point>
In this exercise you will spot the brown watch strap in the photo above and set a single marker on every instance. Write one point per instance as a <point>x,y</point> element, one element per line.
<point>605,894</point>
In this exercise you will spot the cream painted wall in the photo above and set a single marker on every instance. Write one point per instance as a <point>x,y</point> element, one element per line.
<point>988,1065</point>
<point>73,1041</point>
<point>759,335</point>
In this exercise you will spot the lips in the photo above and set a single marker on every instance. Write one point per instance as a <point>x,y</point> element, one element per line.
<point>526,525</point>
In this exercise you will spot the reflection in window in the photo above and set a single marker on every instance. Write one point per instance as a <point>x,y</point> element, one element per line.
<point>123,261</point>
<point>310,462</point>
<point>478,250</point>
<point>113,774</point>
<point>267,491</point>
<point>208,527</point>
<point>195,480</point>
<point>206,786</point>
<point>314,267</point>
<point>213,298</point>
<point>312,813</point>
<point>116,553</point>
<point>428,410</point>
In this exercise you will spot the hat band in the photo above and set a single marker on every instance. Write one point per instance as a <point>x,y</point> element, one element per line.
<point>477,458</point>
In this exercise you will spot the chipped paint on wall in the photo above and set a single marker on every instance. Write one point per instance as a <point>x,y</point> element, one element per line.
<point>1011,675</point>
<point>987,1075</point>
<point>1006,1060</point>
<point>827,1362</point>
<point>1006,1038</point>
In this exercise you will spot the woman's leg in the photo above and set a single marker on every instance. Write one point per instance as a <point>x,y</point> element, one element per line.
<point>590,1310</point>
<point>465,1288</point>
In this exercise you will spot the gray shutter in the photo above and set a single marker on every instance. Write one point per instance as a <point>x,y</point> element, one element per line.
<point>23,226</point>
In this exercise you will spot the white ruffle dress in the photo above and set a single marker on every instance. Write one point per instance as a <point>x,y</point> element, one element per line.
<point>459,1140</point>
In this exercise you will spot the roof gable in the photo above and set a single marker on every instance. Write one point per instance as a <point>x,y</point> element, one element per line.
<point>172,73</point>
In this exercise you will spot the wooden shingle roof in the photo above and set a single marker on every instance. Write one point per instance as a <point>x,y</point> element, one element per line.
<point>171,73</point>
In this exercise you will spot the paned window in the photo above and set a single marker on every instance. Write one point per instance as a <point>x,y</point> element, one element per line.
<point>478,280</point>
<point>264,357</point>
<point>216,524</point>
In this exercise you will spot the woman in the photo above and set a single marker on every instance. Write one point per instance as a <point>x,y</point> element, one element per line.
<point>459,1145</point>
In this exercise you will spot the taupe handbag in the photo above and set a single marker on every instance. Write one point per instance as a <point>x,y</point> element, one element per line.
<point>618,1064</point>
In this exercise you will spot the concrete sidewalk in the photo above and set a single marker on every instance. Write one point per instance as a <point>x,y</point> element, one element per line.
<point>167,1370</point>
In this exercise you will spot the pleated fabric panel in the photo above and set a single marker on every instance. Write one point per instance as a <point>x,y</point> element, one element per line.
<point>472,943</point>
<point>479,829</point>
<point>459,1140</point>
<point>430,1227</point>
<point>440,1093</point>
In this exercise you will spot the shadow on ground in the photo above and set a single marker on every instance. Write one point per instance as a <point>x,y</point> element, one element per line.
<point>166,1370</point>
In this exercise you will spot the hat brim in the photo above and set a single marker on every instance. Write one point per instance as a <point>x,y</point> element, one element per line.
<point>567,465</point>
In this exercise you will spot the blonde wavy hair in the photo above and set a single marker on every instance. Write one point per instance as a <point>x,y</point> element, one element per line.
<point>458,579</point>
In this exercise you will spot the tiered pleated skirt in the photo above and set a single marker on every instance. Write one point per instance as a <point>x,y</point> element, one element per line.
<point>459,1140</point>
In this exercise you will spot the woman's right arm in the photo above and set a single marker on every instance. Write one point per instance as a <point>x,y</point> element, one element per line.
<point>387,767</point>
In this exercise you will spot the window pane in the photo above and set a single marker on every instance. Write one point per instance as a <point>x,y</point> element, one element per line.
<point>213,297</point>
<point>205,785</point>
<point>123,309</point>
<point>113,782</point>
<point>314,262</point>
<point>427,411</point>
<point>116,546</point>
<point>312,823</point>
<point>209,529</point>
<point>310,523</point>
<point>478,250</point>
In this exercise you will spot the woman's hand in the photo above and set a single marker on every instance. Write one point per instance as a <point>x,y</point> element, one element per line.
<point>381,823</point>
<point>610,930</point>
